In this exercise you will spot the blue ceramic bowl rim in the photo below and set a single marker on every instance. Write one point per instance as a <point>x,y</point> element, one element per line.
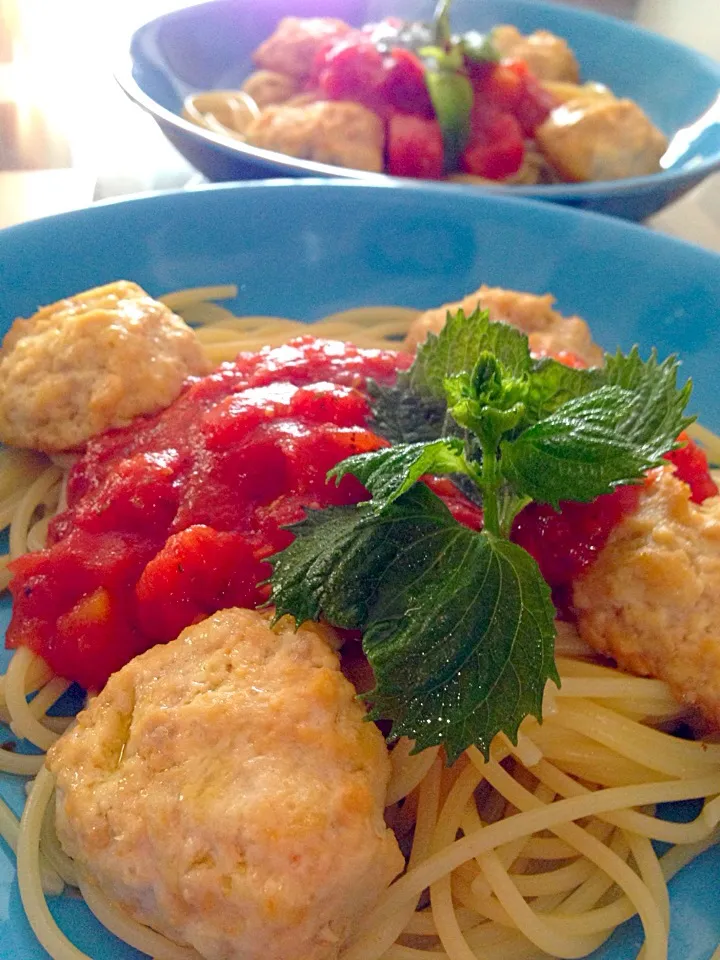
<point>599,188</point>
<point>505,198</point>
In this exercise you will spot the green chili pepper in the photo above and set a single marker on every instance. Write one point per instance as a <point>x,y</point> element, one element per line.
<point>478,47</point>
<point>452,98</point>
<point>441,23</point>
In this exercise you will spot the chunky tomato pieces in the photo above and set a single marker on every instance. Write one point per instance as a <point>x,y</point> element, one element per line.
<point>508,103</point>
<point>404,88</point>
<point>352,68</point>
<point>496,147</point>
<point>175,517</point>
<point>414,147</point>
<point>691,466</point>
<point>508,106</point>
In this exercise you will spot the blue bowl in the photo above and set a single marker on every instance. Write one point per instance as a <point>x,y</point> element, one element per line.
<point>210,46</point>
<point>306,249</point>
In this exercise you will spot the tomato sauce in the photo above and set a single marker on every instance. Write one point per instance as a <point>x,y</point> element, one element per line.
<point>691,465</point>
<point>175,516</point>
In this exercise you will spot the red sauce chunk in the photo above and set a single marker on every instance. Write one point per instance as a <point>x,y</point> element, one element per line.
<point>174,517</point>
<point>691,466</point>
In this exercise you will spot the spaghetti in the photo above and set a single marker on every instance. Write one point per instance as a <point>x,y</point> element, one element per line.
<point>543,850</point>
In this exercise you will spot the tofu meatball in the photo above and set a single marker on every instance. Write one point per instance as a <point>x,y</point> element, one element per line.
<point>303,98</point>
<point>226,790</point>
<point>564,92</point>
<point>548,57</point>
<point>95,361</point>
<point>344,133</point>
<point>651,601</point>
<point>549,332</point>
<point>292,47</point>
<point>600,139</point>
<point>267,87</point>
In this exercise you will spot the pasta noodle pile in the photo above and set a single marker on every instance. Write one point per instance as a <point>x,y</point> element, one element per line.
<point>541,851</point>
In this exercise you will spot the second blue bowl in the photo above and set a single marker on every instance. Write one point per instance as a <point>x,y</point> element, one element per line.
<point>210,46</point>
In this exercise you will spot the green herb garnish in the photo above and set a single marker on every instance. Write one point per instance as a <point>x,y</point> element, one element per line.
<point>458,624</point>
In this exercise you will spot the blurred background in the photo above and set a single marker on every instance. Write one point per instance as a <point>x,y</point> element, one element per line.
<point>68,136</point>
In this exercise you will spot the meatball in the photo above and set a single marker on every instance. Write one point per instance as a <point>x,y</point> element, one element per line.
<point>226,790</point>
<point>549,332</point>
<point>304,98</point>
<point>564,92</point>
<point>339,132</point>
<point>600,139</point>
<point>291,49</point>
<point>548,57</point>
<point>94,361</point>
<point>652,599</point>
<point>267,87</point>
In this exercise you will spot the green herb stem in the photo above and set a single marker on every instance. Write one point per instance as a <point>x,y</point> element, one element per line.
<point>490,482</point>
